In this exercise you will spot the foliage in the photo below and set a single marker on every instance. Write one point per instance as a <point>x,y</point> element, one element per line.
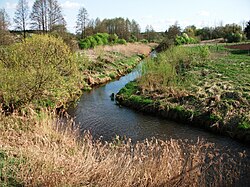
<point>121,41</point>
<point>185,39</point>
<point>168,68</point>
<point>82,21</point>
<point>6,38</point>
<point>145,41</point>
<point>247,30</point>
<point>132,38</point>
<point>231,32</point>
<point>60,31</point>
<point>244,125</point>
<point>173,31</point>
<point>113,38</point>
<point>41,71</point>
<point>123,28</point>
<point>233,37</point>
<point>100,39</point>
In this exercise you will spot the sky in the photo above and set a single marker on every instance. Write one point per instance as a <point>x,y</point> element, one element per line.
<point>158,13</point>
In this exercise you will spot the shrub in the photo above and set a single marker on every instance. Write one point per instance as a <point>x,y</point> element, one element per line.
<point>145,41</point>
<point>184,39</point>
<point>233,37</point>
<point>104,37</point>
<point>92,41</point>
<point>132,39</point>
<point>99,40</point>
<point>6,38</point>
<point>40,71</point>
<point>85,44</point>
<point>121,41</point>
<point>113,38</point>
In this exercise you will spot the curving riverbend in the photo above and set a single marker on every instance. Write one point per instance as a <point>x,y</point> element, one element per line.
<point>100,115</point>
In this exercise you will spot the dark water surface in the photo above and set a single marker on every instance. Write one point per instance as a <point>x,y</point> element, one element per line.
<point>100,115</point>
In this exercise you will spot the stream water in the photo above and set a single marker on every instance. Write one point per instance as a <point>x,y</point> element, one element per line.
<point>100,115</point>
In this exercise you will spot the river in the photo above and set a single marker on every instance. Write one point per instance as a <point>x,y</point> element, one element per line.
<point>100,115</point>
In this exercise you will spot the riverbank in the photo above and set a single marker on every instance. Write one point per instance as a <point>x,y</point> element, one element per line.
<point>38,148</point>
<point>41,151</point>
<point>211,92</point>
<point>106,63</point>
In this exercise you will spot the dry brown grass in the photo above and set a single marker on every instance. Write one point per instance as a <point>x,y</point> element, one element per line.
<point>52,155</point>
<point>127,50</point>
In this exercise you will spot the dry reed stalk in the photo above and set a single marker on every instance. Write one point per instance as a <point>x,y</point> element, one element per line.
<point>50,154</point>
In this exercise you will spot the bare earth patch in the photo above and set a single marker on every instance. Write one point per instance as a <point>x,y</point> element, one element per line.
<point>239,46</point>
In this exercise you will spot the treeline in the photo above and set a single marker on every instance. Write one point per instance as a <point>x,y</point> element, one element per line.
<point>46,17</point>
<point>229,32</point>
<point>174,35</point>
<point>123,28</point>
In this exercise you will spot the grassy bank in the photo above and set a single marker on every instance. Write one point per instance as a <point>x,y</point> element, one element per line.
<point>207,87</point>
<point>110,62</point>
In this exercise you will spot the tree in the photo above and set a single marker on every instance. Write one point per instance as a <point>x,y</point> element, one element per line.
<point>247,30</point>
<point>21,16</point>
<point>90,29</point>
<point>150,33</point>
<point>46,14</point>
<point>233,33</point>
<point>173,31</point>
<point>135,29</point>
<point>5,36</point>
<point>204,33</point>
<point>190,30</point>
<point>4,20</point>
<point>82,21</point>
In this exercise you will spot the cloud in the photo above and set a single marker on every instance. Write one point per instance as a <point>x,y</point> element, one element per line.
<point>204,13</point>
<point>11,5</point>
<point>70,5</point>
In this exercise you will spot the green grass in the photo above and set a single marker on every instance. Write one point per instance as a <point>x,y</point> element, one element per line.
<point>7,178</point>
<point>244,125</point>
<point>129,89</point>
<point>197,81</point>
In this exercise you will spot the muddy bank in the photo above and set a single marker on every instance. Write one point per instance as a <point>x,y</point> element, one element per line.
<point>205,120</point>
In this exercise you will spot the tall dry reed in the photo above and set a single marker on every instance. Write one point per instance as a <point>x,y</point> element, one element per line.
<point>47,153</point>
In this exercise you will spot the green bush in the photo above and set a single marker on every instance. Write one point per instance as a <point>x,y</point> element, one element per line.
<point>132,39</point>
<point>185,39</point>
<point>145,41</point>
<point>122,41</point>
<point>104,37</point>
<point>39,71</point>
<point>98,39</point>
<point>85,44</point>
<point>233,37</point>
<point>92,41</point>
<point>113,38</point>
